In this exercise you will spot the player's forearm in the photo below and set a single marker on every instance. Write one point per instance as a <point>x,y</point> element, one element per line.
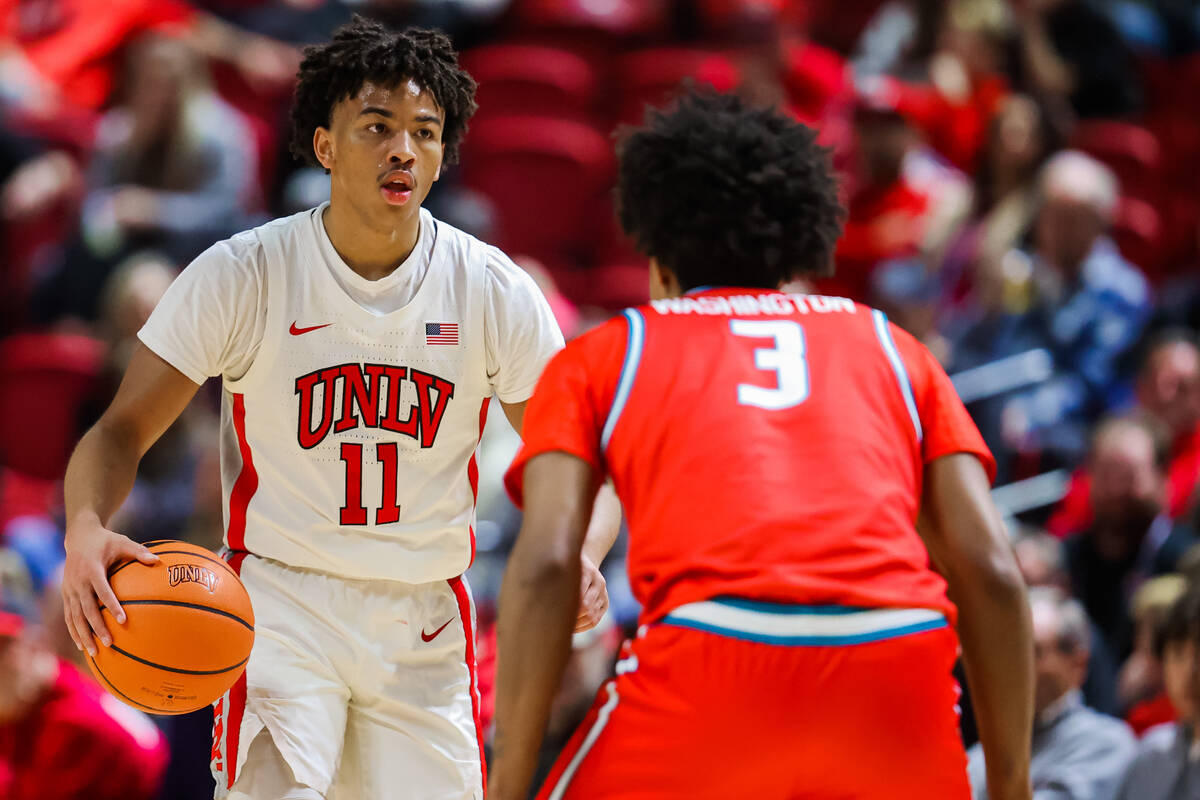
<point>997,644</point>
<point>604,525</point>
<point>99,476</point>
<point>537,611</point>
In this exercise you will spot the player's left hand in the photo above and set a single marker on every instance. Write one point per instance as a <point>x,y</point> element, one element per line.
<point>593,597</point>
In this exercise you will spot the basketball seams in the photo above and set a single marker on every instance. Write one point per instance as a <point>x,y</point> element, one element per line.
<point>112,688</point>
<point>196,606</point>
<point>177,670</point>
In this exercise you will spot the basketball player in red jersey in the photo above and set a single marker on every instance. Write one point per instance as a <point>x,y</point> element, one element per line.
<point>358,344</point>
<point>802,486</point>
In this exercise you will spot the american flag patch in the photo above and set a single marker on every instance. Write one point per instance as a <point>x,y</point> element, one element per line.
<point>441,333</point>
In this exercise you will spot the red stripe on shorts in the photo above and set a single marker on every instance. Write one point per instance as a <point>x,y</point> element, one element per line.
<point>236,698</point>
<point>247,480</point>
<point>464,611</point>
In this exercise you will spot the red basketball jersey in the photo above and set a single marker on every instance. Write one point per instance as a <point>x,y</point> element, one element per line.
<point>764,445</point>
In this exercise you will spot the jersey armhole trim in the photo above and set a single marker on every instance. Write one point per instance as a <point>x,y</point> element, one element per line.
<point>880,321</point>
<point>635,340</point>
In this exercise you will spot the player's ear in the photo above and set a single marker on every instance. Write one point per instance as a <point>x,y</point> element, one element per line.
<point>663,282</point>
<point>323,147</point>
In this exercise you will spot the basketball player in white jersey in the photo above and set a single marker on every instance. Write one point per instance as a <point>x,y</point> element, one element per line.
<point>358,344</point>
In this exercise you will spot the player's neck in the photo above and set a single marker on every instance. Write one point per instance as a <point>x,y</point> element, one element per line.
<point>371,251</point>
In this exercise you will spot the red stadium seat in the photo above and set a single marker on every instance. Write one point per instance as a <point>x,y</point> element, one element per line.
<point>544,176</point>
<point>30,244</point>
<point>527,79</point>
<point>652,76</point>
<point>622,18</point>
<point>45,379</point>
<point>617,286</point>
<point>21,495</point>
<point>1138,232</point>
<point>1133,152</point>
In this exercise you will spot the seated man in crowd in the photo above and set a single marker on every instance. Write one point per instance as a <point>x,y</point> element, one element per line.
<point>1168,390</point>
<point>1131,538</point>
<point>1167,766</point>
<point>62,737</point>
<point>1078,753</point>
<point>1089,309</point>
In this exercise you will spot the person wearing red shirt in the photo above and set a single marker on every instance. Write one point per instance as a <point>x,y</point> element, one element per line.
<point>1168,390</point>
<point>792,467</point>
<point>62,737</point>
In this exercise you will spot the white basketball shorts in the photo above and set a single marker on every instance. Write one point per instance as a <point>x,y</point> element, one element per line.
<point>367,688</point>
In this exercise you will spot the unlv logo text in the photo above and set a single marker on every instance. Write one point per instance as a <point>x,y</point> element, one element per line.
<point>370,398</point>
<point>191,573</point>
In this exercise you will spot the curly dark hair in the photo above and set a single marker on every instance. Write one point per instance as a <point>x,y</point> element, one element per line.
<point>364,50</point>
<point>724,194</point>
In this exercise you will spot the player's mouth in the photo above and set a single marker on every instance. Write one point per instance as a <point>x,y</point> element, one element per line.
<point>397,187</point>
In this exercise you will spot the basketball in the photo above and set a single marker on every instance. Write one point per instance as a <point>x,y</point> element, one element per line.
<point>187,633</point>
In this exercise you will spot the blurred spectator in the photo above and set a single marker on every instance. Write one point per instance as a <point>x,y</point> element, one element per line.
<point>1090,307</point>
<point>963,83</point>
<point>1069,50</point>
<point>1041,560</point>
<point>908,294</point>
<point>1130,538</point>
<point>61,55</point>
<point>1141,683</point>
<point>1019,140</point>
<point>174,169</point>
<point>161,502</point>
<point>885,215</point>
<point>1167,766</point>
<point>902,200</point>
<point>1077,752</point>
<point>31,186</point>
<point>1168,389</point>
<point>62,737</point>
<point>54,625</point>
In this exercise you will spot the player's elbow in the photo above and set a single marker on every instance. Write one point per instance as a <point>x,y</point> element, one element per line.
<point>541,561</point>
<point>993,574</point>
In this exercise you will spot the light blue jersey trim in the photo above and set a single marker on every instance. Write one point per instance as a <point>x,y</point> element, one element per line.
<point>889,347</point>
<point>808,641</point>
<point>633,356</point>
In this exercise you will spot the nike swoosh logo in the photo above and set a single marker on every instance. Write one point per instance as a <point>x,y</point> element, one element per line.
<point>429,637</point>
<point>294,331</point>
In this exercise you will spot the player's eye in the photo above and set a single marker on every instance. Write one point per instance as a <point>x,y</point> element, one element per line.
<point>424,133</point>
<point>376,127</point>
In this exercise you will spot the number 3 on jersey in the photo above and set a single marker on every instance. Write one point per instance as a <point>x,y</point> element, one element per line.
<point>785,359</point>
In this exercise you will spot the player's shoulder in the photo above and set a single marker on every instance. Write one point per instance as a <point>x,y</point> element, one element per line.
<point>246,252</point>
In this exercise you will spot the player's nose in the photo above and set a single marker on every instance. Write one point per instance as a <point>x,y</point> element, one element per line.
<point>402,149</point>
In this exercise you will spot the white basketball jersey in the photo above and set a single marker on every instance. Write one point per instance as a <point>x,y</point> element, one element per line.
<point>349,444</point>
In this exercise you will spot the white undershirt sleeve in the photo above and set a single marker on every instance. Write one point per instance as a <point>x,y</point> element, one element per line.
<point>212,318</point>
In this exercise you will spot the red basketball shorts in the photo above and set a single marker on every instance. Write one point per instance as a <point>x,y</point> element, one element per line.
<point>732,699</point>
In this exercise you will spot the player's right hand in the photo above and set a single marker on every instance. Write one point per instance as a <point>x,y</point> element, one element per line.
<point>91,550</point>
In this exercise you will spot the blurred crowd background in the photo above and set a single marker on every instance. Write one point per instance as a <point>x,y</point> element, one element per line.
<point>1021,186</point>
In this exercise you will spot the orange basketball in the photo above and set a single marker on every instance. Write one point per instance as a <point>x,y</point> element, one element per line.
<point>187,633</point>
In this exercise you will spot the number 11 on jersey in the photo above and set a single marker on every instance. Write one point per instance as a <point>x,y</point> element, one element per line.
<point>353,512</point>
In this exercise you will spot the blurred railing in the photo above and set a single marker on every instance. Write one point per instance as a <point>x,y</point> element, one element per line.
<point>1000,377</point>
